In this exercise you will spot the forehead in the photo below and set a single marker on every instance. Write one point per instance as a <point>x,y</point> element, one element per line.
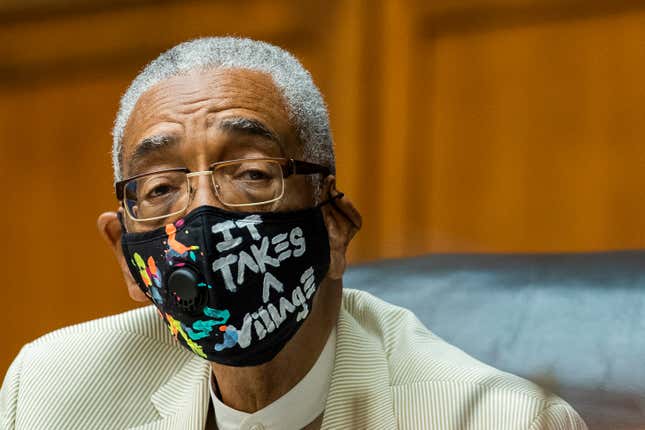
<point>208,94</point>
<point>220,88</point>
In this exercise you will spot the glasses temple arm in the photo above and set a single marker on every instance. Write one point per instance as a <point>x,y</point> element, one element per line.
<point>118,189</point>
<point>297,167</point>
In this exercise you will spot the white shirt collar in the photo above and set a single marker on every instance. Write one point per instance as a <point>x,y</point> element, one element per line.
<point>294,410</point>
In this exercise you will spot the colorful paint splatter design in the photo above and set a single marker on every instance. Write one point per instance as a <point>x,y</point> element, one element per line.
<point>151,276</point>
<point>176,248</point>
<point>176,328</point>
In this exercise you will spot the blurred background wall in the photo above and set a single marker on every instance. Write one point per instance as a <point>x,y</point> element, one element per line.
<point>470,126</point>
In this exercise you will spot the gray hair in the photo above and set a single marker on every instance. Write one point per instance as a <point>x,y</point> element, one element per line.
<point>307,110</point>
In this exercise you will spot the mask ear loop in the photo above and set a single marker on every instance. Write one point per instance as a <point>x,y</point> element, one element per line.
<point>332,201</point>
<point>119,215</point>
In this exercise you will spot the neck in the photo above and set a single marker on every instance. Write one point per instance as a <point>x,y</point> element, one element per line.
<point>252,388</point>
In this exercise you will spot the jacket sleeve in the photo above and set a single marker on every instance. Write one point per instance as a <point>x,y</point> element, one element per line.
<point>9,392</point>
<point>558,416</point>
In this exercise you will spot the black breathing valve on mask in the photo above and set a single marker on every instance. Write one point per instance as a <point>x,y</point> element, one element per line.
<point>184,293</point>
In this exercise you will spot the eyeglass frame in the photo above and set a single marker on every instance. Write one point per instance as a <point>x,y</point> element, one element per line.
<point>289,167</point>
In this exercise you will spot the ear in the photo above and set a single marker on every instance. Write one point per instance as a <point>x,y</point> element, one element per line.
<point>343,222</point>
<point>110,229</point>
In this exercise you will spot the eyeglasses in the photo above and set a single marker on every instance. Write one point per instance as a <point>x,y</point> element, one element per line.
<point>242,183</point>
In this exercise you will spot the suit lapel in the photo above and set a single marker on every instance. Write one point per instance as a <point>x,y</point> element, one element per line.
<point>359,395</point>
<point>182,402</point>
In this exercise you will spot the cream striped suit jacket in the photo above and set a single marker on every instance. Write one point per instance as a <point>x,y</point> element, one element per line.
<point>126,371</point>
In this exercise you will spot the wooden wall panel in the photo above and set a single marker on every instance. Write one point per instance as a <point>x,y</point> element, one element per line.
<point>531,135</point>
<point>58,172</point>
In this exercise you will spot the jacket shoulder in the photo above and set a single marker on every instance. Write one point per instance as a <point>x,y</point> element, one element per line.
<point>433,380</point>
<point>143,322</point>
<point>414,353</point>
<point>93,369</point>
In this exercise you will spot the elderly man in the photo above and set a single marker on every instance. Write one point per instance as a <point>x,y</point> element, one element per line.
<point>230,224</point>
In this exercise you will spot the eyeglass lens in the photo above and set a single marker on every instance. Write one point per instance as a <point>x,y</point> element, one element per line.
<point>238,184</point>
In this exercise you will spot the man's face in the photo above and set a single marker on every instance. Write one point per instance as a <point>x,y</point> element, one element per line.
<point>202,117</point>
<point>208,116</point>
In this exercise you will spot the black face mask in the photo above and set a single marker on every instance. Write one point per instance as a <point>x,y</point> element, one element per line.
<point>233,287</point>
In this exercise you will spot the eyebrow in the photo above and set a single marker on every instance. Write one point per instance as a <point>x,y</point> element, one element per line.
<point>248,126</point>
<point>154,144</point>
<point>148,146</point>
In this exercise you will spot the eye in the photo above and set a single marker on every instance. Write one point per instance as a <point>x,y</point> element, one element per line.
<point>159,191</point>
<point>254,175</point>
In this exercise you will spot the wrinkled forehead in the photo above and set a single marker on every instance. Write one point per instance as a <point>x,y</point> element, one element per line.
<point>216,89</point>
<point>209,94</point>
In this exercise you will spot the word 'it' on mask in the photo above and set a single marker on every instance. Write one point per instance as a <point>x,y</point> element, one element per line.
<point>233,287</point>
